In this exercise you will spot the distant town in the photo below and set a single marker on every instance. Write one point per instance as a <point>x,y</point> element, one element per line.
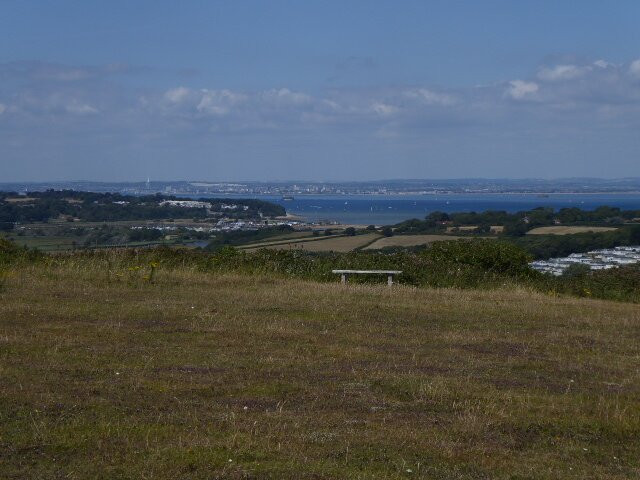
<point>382,187</point>
<point>602,259</point>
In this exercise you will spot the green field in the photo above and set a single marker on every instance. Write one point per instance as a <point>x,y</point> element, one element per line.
<point>65,243</point>
<point>199,376</point>
<point>46,243</point>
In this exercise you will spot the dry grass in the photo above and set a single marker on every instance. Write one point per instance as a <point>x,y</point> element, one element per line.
<point>197,376</point>
<point>462,228</point>
<point>331,244</point>
<point>285,237</point>
<point>20,200</point>
<point>567,230</point>
<point>409,241</point>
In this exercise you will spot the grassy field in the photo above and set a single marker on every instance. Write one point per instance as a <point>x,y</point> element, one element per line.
<point>567,230</point>
<point>462,228</point>
<point>47,243</point>
<point>284,237</point>
<point>283,240</point>
<point>59,244</point>
<point>108,376</point>
<point>408,241</point>
<point>331,244</point>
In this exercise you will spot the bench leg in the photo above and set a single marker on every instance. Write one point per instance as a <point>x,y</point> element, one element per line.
<point>390,280</point>
<point>343,278</point>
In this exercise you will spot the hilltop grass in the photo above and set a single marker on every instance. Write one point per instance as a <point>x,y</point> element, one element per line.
<point>106,374</point>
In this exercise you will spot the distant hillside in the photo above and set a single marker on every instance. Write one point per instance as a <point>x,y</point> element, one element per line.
<point>41,206</point>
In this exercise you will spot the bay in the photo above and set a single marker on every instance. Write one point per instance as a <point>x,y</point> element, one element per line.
<point>391,209</point>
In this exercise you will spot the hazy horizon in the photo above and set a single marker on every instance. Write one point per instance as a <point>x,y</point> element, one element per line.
<point>375,180</point>
<point>323,91</point>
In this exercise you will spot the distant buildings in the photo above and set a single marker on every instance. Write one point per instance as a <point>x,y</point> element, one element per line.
<point>186,204</point>
<point>596,260</point>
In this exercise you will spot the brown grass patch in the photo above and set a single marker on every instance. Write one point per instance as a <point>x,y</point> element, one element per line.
<point>331,244</point>
<point>20,200</point>
<point>409,240</point>
<point>567,230</point>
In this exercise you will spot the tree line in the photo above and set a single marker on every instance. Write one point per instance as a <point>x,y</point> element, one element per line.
<point>519,223</point>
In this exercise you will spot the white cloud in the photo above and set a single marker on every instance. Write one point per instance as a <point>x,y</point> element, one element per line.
<point>284,96</point>
<point>588,88</point>
<point>384,109</point>
<point>602,64</point>
<point>519,89</point>
<point>430,97</point>
<point>219,102</point>
<point>78,108</point>
<point>177,95</point>
<point>562,72</point>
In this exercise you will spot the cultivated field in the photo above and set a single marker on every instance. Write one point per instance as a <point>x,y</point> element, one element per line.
<point>409,241</point>
<point>196,376</point>
<point>47,243</point>
<point>567,230</point>
<point>284,237</point>
<point>462,228</point>
<point>331,244</point>
<point>285,240</point>
<point>61,243</point>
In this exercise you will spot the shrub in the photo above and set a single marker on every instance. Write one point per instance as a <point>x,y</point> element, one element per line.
<point>11,253</point>
<point>577,270</point>
<point>621,284</point>
<point>487,255</point>
<point>144,234</point>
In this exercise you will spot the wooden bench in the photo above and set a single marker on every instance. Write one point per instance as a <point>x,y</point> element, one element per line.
<point>344,274</point>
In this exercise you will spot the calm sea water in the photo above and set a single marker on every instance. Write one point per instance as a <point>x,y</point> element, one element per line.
<point>390,209</point>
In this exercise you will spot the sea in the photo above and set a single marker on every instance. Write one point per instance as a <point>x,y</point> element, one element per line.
<point>391,209</point>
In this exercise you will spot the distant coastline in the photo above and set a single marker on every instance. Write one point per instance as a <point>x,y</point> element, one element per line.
<point>382,188</point>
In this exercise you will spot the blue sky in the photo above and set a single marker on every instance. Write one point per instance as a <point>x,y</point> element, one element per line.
<point>325,90</point>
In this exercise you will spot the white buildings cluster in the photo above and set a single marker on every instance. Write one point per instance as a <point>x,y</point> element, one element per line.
<point>595,260</point>
<point>223,225</point>
<point>233,206</point>
<point>186,204</point>
<point>197,204</point>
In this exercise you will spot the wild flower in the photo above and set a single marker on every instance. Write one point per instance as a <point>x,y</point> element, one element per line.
<point>153,266</point>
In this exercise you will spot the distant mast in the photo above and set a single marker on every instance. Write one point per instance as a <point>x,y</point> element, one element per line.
<point>148,184</point>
